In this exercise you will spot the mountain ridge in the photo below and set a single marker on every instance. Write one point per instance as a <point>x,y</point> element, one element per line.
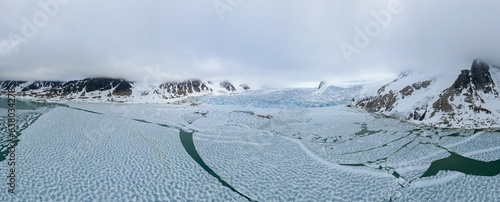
<point>470,100</point>
<point>102,89</point>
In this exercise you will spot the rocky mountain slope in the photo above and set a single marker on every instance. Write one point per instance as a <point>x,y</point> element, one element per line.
<point>469,100</point>
<point>114,90</point>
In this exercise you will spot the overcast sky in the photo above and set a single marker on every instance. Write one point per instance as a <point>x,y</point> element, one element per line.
<point>278,42</point>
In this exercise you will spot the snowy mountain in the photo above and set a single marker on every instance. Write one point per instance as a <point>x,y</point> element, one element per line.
<point>470,100</point>
<point>114,90</point>
<point>192,91</point>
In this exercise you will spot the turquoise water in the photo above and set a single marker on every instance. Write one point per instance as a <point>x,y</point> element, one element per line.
<point>464,165</point>
<point>18,105</point>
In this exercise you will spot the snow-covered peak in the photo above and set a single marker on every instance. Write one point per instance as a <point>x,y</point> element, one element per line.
<point>469,100</point>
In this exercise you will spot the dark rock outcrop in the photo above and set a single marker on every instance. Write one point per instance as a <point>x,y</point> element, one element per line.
<point>245,87</point>
<point>184,88</point>
<point>10,84</point>
<point>462,81</point>
<point>468,83</point>
<point>481,76</point>
<point>41,84</point>
<point>228,86</point>
<point>321,84</point>
<point>123,89</point>
<point>100,84</point>
<point>121,86</point>
<point>385,101</point>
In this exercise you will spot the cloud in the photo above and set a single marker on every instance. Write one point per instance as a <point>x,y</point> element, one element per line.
<point>7,47</point>
<point>278,43</point>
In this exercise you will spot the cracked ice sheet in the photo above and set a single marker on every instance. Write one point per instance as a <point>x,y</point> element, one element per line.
<point>412,163</point>
<point>178,114</point>
<point>275,168</point>
<point>342,123</point>
<point>225,132</point>
<point>158,113</point>
<point>454,186</point>
<point>483,146</point>
<point>324,124</point>
<point>74,155</point>
<point>244,132</point>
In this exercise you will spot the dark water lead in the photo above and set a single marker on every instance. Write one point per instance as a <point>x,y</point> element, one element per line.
<point>188,144</point>
<point>19,104</point>
<point>92,112</point>
<point>389,170</point>
<point>142,121</point>
<point>464,165</point>
<point>365,132</point>
<point>245,112</point>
